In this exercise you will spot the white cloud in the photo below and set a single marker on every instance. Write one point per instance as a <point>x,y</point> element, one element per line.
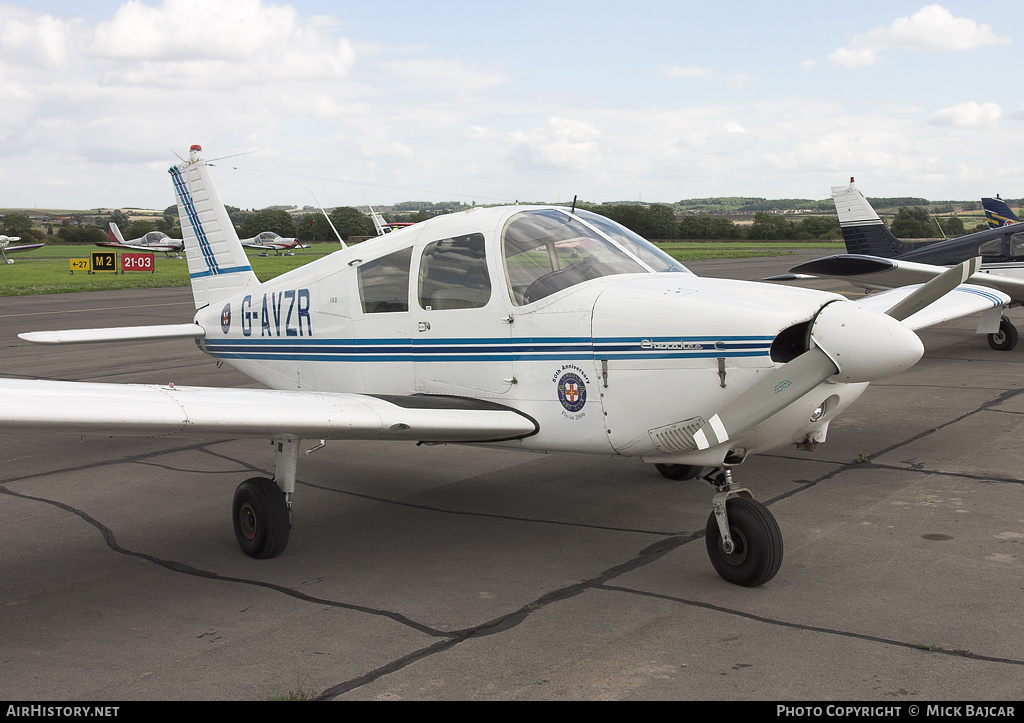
<point>217,43</point>
<point>561,143</point>
<point>933,27</point>
<point>968,115</point>
<point>697,72</point>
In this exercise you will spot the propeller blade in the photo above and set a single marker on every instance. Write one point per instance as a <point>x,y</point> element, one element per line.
<point>848,342</point>
<point>935,289</point>
<point>778,389</point>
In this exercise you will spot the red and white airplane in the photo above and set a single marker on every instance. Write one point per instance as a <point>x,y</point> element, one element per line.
<point>537,328</point>
<point>152,241</point>
<point>269,241</point>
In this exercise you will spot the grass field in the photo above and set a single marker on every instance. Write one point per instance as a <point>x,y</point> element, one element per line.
<point>46,270</point>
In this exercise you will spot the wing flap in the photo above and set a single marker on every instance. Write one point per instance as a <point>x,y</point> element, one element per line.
<point>117,333</point>
<point>138,410</point>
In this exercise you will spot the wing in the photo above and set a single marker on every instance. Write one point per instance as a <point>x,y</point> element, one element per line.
<point>158,411</point>
<point>872,272</point>
<point>964,300</point>
<point>118,333</point>
<point>27,247</point>
<point>141,247</point>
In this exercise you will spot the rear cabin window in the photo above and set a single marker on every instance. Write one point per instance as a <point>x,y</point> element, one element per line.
<point>384,283</point>
<point>453,274</point>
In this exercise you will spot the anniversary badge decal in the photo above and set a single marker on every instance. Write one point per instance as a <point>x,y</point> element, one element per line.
<point>571,385</point>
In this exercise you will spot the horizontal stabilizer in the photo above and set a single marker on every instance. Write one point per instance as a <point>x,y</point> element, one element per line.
<point>843,265</point>
<point>119,333</point>
<point>877,273</point>
<point>137,410</point>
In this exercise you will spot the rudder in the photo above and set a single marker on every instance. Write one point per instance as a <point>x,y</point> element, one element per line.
<point>217,264</point>
<point>863,231</point>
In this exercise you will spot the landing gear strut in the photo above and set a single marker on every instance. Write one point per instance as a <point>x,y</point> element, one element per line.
<point>743,539</point>
<point>1006,338</point>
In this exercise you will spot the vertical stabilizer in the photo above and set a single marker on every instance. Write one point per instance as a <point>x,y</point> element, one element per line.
<point>217,264</point>
<point>863,231</point>
<point>114,233</point>
<point>997,213</point>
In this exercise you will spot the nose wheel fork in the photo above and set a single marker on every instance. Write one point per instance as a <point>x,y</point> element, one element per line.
<point>743,539</point>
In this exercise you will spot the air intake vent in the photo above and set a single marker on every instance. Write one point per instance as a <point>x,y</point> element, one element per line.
<point>677,437</point>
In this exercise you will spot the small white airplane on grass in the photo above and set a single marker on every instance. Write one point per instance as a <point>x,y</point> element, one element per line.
<point>524,327</point>
<point>267,241</point>
<point>152,241</point>
<point>6,248</point>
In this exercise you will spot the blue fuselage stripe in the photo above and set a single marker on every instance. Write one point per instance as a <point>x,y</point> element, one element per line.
<point>485,350</point>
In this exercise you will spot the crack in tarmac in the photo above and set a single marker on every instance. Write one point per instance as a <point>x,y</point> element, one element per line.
<point>508,621</point>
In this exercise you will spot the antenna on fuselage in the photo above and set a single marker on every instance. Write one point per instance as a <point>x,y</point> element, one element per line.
<point>338,235</point>
<point>573,205</point>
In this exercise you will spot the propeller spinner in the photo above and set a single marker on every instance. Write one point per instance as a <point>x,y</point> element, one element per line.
<point>849,342</point>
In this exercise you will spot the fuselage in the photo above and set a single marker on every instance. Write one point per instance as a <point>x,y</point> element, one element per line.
<point>610,345</point>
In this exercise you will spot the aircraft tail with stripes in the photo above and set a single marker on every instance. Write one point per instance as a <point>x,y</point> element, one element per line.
<point>863,231</point>
<point>997,213</point>
<point>217,265</point>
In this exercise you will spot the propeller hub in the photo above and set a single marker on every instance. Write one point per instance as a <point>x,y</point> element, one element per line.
<point>865,345</point>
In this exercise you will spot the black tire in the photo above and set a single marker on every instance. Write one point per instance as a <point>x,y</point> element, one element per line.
<point>261,518</point>
<point>1006,338</point>
<point>758,543</point>
<point>678,471</point>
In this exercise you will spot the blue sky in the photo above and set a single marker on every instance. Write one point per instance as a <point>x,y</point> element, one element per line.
<point>529,101</point>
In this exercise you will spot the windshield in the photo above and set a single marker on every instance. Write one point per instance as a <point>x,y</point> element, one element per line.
<point>636,244</point>
<point>548,250</point>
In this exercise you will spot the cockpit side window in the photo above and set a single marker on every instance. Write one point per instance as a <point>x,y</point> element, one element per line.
<point>453,274</point>
<point>548,250</point>
<point>1017,245</point>
<point>384,283</point>
<point>991,248</point>
<point>636,244</point>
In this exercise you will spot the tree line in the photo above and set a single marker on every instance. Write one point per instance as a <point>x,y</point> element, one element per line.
<point>654,221</point>
<point>658,221</point>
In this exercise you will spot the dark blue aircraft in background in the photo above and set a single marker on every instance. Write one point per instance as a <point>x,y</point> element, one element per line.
<point>879,260</point>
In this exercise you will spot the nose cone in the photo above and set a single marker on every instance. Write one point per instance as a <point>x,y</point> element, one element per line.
<point>865,345</point>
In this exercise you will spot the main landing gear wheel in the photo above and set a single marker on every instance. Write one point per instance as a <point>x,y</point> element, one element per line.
<point>757,543</point>
<point>1004,339</point>
<point>678,471</point>
<point>261,517</point>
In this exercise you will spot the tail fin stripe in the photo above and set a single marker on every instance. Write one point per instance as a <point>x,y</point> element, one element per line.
<point>193,218</point>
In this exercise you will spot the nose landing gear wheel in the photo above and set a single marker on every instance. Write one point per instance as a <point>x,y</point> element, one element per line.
<point>260,514</point>
<point>757,540</point>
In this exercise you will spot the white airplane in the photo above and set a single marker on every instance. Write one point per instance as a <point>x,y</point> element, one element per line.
<point>269,241</point>
<point>6,248</point>
<point>523,327</point>
<point>152,241</point>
